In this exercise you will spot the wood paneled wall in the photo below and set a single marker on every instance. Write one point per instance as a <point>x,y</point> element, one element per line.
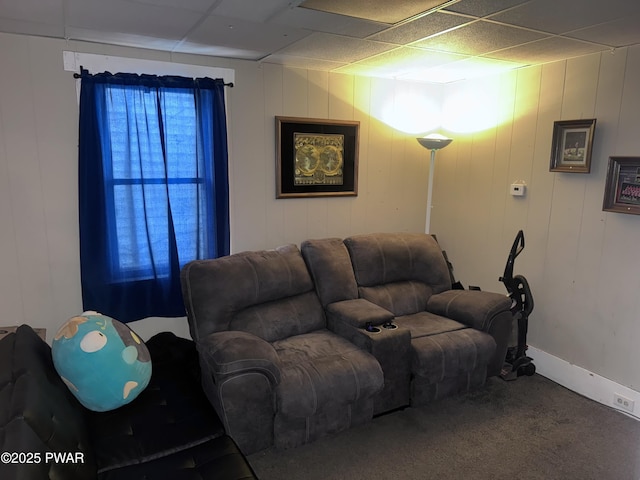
<point>40,282</point>
<point>581,262</point>
<point>392,172</point>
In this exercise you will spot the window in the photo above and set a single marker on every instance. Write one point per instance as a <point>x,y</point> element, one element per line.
<point>153,189</point>
<point>138,136</point>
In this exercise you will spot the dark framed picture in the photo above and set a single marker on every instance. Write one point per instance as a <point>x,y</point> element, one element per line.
<point>622,190</point>
<point>316,157</point>
<point>572,145</point>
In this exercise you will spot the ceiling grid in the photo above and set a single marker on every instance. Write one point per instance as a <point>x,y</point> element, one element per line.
<point>418,40</point>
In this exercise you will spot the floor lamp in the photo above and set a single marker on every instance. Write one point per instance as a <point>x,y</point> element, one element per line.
<point>432,142</point>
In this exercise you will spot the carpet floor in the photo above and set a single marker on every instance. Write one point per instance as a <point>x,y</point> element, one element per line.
<point>528,429</point>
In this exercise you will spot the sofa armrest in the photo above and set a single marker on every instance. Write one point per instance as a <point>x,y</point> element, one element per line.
<point>474,308</point>
<point>350,318</point>
<point>240,374</point>
<point>230,353</point>
<point>389,344</point>
<point>359,312</point>
<point>486,311</point>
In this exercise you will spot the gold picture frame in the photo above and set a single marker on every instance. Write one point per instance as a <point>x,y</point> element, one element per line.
<point>572,145</point>
<point>316,157</point>
<point>622,188</point>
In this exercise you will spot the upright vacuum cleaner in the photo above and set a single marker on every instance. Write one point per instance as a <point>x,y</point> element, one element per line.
<point>517,362</point>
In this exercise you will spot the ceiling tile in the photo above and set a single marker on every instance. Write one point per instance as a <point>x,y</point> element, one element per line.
<point>38,11</point>
<point>250,10</point>
<point>325,46</point>
<point>301,62</point>
<point>23,27</point>
<point>327,22</point>
<point>384,11</point>
<point>401,62</point>
<point>420,28</point>
<point>365,71</point>
<point>479,37</point>
<point>405,58</point>
<point>547,50</point>
<point>123,17</point>
<point>218,51</point>
<point>463,70</point>
<point>196,5</point>
<point>618,33</point>
<point>555,16</point>
<point>484,7</point>
<point>124,39</point>
<point>259,38</point>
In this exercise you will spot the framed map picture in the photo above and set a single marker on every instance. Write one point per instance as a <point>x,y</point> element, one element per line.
<point>316,157</point>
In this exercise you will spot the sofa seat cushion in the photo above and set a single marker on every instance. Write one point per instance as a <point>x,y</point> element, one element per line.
<point>216,458</point>
<point>172,414</point>
<point>424,324</point>
<point>320,368</point>
<point>451,354</point>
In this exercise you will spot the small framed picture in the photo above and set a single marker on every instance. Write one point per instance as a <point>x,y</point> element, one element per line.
<point>316,157</point>
<point>572,145</point>
<point>622,190</point>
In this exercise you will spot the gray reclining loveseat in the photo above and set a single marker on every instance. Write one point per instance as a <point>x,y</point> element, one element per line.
<point>272,369</point>
<point>297,343</point>
<point>431,341</point>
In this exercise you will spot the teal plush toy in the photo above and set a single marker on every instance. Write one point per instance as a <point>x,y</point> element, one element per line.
<point>102,361</point>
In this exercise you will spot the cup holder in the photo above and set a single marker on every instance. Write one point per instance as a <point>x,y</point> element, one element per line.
<point>389,326</point>
<point>371,329</point>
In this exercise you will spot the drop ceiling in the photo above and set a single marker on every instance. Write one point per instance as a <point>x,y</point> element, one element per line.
<point>418,40</point>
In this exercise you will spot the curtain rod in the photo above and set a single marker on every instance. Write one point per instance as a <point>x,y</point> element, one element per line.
<point>86,72</point>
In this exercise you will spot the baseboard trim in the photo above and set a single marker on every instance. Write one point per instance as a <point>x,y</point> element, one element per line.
<point>583,381</point>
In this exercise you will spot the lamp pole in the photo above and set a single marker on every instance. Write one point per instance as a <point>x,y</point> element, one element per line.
<point>432,142</point>
<point>430,192</point>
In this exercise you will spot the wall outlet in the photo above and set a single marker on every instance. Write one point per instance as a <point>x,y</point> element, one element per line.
<point>623,402</point>
<point>517,189</point>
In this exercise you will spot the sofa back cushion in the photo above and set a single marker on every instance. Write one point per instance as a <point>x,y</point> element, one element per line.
<point>400,298</point>
<point>268,293</point>
<point>38,413</point>
<point>330,266</point>
<point>398,271</point>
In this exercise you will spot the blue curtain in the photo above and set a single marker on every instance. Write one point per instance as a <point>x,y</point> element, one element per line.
<point>153,189</point>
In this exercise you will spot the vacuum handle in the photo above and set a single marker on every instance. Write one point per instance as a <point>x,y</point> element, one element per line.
<point>516,249</point>
<point>518,245</point>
